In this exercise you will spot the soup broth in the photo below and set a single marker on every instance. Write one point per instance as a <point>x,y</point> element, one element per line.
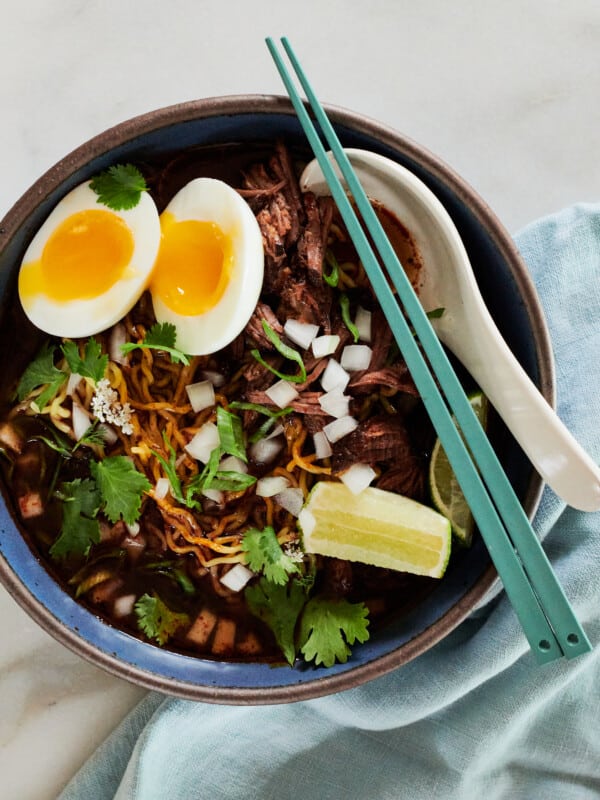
<point>161,577</point>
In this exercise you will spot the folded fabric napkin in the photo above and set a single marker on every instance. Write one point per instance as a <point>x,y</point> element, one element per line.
<point>473,717</point>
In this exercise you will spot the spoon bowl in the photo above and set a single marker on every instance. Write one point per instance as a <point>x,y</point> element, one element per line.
<point>467,328</point>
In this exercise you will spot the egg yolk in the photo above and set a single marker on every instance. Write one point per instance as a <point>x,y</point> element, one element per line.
<point>193,265</point>
<point>83,258</point>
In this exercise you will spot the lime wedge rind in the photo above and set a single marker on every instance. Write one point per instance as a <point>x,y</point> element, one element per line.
<point>446,494</point>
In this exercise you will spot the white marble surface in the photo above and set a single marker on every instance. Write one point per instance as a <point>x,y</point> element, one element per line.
<point>507,93</point>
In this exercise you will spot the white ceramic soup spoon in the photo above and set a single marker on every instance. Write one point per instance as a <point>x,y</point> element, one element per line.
<point>467,328</point>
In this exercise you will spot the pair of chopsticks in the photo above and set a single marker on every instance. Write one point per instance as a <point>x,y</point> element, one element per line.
<point>544,612</point>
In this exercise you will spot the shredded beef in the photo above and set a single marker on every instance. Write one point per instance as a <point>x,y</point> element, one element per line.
<point>306,303</point>
<point>311,247</point>
<point>397,377</point>
<point>382,438</point>
<point>257,377</point>
<point>381,339</point>
<point>254,329</point>
<point>282,167</point>
<point>407,479</point>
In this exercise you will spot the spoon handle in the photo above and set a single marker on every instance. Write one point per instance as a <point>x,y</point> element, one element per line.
<point>552,449</point>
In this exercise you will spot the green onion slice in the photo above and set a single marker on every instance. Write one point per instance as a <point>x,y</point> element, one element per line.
<point>345,307</point>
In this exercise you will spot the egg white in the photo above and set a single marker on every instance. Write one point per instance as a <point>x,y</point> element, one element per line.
<point>211,200</point>
<point>86,317</point>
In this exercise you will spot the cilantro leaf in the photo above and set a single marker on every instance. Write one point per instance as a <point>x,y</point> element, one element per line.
<point>156,620</point>
<point>121,487</point>
<point>264,554</point>
<point>278,607</point>
<point>119,187</point>
<point>80,530</point>
<point>327,628</point>
<point>93,364</point>
<point>231,434</point>
<point>161,336</point>
<point>42,372</point>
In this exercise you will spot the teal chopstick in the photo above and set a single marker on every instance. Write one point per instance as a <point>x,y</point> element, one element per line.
<point>544,612</point>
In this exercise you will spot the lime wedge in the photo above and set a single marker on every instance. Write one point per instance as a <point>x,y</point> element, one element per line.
<point>446,494</point>
<point>375,527</point>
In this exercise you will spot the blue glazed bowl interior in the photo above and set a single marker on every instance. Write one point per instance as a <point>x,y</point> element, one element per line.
<point>505,286</point>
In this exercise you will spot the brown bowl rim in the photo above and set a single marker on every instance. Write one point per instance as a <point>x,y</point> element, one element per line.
<point>237,104</point>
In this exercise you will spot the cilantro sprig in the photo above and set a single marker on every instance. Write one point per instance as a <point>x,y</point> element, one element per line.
<point>278,607</point>
<point>264,554</point>
<point>161,336</point>
<point>80,528</point>
<point>121,487</point>
<point>119,187</point>
<point>329,626</point>
<point>115,488</point>
<point>42,372</point>
<point>321,628</point>
<point>93,364</point>
<point>156,620</point>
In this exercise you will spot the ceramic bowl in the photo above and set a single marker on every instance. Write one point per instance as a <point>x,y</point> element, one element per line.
<point>505,285</point>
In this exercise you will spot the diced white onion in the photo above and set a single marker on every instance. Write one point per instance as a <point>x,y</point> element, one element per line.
<point>118,336</point>
<point>232,464</point>
<point>334,376</point>
<point>335,403</point>
<point>291,499</point>
<point>282,393</point>
<point>325,345</point>
<point>306,521</point>
<point>339,428</point>
<point>271,485</point>
<point>322,446</point>
<point>81,420</point>
<point>265,450</point>
<point>301,333</point>
<point>356,357</point>
<point>237,577</point>
<point>161,488</point>
<point>216,495</point>
<point>363,324</point>
<point>277,431</point>
<point>109,433</point>
<point>358,477</point>
<point>73,383</point>
<point>123,606</point>
<point>201,395</point>
<point>204,442</point>
<point>215,378</point>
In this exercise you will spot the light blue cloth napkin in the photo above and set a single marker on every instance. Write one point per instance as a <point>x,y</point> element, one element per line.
<point>475,716</point>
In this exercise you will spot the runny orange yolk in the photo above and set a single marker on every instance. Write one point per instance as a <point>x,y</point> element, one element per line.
<point>193,265</point>
<point>83,258</point>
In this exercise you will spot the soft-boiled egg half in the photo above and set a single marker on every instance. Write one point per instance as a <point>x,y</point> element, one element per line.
<point>88,265</point>
<point>203,263</point>
<point>209,271</point>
